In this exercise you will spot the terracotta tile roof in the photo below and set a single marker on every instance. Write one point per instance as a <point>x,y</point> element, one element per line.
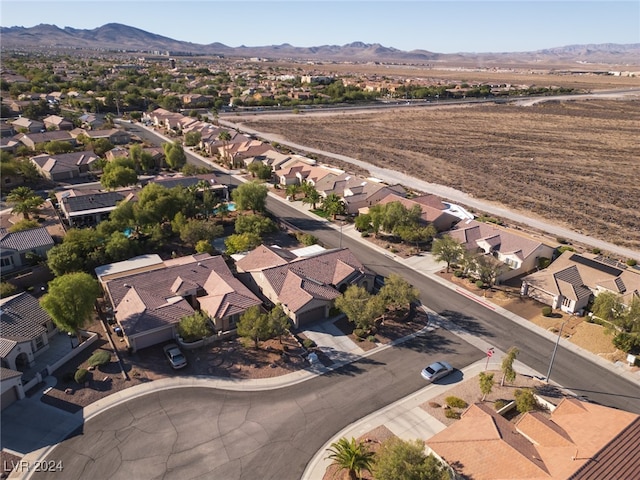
<point>429,212</point>
<point>147,300</point>
<point>25,240</point>
<point>7,374</point>
<point>579,440</point>
<point>263,257</point>
<point>22,317</point>
<point>6,346</point>
<point>473,233</point>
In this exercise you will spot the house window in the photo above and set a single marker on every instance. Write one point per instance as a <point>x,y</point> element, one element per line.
<point>39,343</point>
<point>6,262</point>
<point>566,302</point>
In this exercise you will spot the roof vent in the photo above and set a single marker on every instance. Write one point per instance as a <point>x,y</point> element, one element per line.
<point>126,285</point>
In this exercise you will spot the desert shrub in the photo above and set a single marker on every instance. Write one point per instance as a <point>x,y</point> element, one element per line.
<point>632,262</point>
<point>359,332</point>
<point>7,289</point>
<point>457,273</point>
<point>546,311</point>
<point>101,357</point>
<point>308,343</point>
<point>543,262</point>
<point>561,240</point>
<point>479,284</point>
<point>455,402</point>
<point>365,234</point>
<point>525,400</point>
<point>81,375</point>
<point>452,414</point>
<point>564,248</point>
<point>371,338</point>
<point>498,404</point>
<point>627,342</point>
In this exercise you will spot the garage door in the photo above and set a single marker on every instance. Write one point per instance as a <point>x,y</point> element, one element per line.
<point>153,338</point>
<point>313,315</point>
<point>9,397</point>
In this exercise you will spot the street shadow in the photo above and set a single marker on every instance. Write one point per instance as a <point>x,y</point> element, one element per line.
<point>430,343</point>
<point>352,369</point>
<point>464,322</point>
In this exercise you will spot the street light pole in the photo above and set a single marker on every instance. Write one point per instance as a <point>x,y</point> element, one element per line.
<point>555,349</point>
<point>341,223</point>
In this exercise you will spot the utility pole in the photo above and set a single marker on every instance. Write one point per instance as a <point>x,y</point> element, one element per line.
<point>555,349</point>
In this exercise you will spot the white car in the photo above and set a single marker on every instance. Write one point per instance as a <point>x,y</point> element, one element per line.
<point>436,371</point>
<point>175,356</point>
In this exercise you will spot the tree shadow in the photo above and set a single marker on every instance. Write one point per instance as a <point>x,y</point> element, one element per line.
<point>430,343</point>
<point>354,368</point>
<point>459,320</point>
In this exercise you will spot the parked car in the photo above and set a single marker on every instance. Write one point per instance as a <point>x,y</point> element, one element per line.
<point>436,371</point>
<point>175,356</point>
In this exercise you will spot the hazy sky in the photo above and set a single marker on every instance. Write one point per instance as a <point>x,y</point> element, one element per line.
<point>438,26</point>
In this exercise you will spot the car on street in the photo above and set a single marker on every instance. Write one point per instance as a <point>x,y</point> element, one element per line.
<point>175,356</point>
<point>436,371</point>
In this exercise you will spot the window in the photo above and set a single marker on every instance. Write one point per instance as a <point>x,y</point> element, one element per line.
<point>39,343</point>
<point>566,302</point>
<point>6,262</point>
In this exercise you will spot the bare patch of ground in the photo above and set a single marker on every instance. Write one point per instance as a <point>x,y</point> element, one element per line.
<point>571,162</point>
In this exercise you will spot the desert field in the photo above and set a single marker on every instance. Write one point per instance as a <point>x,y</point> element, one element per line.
<point>574,163</point>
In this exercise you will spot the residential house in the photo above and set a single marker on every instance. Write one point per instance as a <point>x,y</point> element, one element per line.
<point>287,173</point>
<point>194,100</point>
<point>434,212</point>
<point>9,145</point>
<point>577,441</point>
<point>113,135</point>
<point>517,251</point>
<point>55,122</point>
<point>271,157</point>
<point>83,208</point>
<point>25,330</point>
<point>148,305</point>
<point>33,139</point>
<point>17,247</point>
<point>572,280</point>
<point>64,166</point>
<point>305,286</point>
<point>236,152</point>
<point>6,129</point>
<point>28,125</point>
<point>90,121</point>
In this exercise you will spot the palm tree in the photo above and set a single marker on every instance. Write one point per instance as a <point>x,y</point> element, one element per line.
<point>333,205</point>
<point>224,137</point>
<point>292,190</point>
<point>25,201</point>
<point>352,456</point>
<point>312,197</point>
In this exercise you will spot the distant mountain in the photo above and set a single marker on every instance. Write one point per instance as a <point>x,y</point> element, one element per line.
<point>114,36</point>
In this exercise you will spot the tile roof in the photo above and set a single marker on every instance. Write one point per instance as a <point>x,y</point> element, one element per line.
<point>147,300</point>
<point>264,257</point>
<point>429,212</point>
<point>6,374</point>
<point>25,240</point>
<point>21,316</point>
<point>64,162</point>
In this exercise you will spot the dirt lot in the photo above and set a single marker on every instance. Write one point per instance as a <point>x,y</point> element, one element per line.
<point>574,163</point>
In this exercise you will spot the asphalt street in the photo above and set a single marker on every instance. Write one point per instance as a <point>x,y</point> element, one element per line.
<point>210,433</point>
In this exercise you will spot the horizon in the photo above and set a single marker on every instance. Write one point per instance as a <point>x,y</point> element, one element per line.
<point>457,26</point>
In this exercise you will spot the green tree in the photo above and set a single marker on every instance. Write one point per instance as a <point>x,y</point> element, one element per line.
<point>70,301</point>
<point>352,456</point>
<point>360,306</point>
<point>224,136</point>
<point>241,242</point>
<point>488,269</point>
<point>64,258</point>
<point>608,306</point>
<point>24,201</point>
<point>250,196</point>
<point>311,196</point>
<point>333,205</point>
<point>256,224</point>
<point>192,138</point>
<point>23,224</point>
<point>486,384</point>
<point>525,400</point>
<point>397,292</point>
<point>293,190</point>
<point>7,289</point>
<point>447,249</point>
<point>255,325</point>
<point>195,230</point>
<point>508,372</point>
<point>174,155</point>
<point>363,222</point>
<point>194,327</point>
<point>101,146</point>
<point>56,147</point>
<point>118,247</point>
<point>117,176</point>
<point>260,170</point>
<point>279,322</point>
<point>204,246</point>
<point>28,171</point>
<point>399,459</point>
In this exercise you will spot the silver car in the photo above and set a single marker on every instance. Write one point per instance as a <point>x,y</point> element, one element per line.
<point>436,370</point>
<point>175,356</point>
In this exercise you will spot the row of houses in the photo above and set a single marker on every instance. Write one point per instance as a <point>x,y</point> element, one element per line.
<point>31,140</point>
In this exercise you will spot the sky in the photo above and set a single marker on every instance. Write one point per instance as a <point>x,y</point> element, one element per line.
<point>438,26</point>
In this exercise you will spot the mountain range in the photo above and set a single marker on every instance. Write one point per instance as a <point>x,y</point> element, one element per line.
<point>114,36</point>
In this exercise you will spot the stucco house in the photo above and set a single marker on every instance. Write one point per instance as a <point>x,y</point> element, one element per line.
<point>64,166</point>
<point>24,123</point>
<point>24,334</point>
<point>573,279</point>
<point>305,286</point>
<point>83,208</point>
<point>433,210</point>
<point>149,298</point>
<point>32,139</point>
<point>517,251</point>
<point>56,122</point>
<point>15,247</point>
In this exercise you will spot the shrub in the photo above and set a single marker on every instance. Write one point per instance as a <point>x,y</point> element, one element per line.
<point>525,400</point>
<point>101,357</point>
<point>455,402</point>
<point>596,251</point>
<point>452,414</point>
<point>564,248</point>
<point>307,239</point>
<point>543,262</point>
<point>308,343</point>
<point>631,262</point>
<point>626,342</point>
<point>371,338</point>
<point>457,273</point>
<point>81,375</point>
<point>498,404</point>
<point>561,240</point>
<point>546,311</point>
<point>359,332</point>
<point>480,284</point>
